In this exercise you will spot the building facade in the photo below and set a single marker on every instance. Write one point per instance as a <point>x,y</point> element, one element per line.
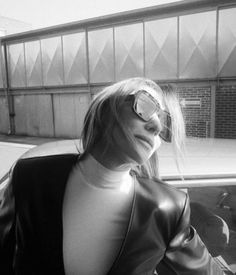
<point>49,76</point>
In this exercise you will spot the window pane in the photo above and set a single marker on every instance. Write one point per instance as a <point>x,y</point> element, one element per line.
<point>17,65</point>
<point>101,57</point>
<point>52,61</point>
<point>75,59</point>
<point>227,42</point>
<point>198,45</point>
<point>33,63</point>
<point>161,48</point>
<point>129,51</point>
<point>1,66</point>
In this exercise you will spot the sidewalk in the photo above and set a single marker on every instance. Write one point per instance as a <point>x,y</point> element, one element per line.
<point>26,139</point>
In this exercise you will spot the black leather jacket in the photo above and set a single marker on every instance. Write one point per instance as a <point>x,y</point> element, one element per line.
<point>158,238</point>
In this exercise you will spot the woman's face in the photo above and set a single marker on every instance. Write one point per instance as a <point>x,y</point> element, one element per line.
<point>145,133</point>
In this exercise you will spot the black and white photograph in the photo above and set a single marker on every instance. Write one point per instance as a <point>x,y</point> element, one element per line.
<point>118,137</point>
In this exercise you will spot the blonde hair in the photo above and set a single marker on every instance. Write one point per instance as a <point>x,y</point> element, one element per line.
<point>103,115</point>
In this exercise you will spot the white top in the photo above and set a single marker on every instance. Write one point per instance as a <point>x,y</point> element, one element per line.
<point>96,212</point>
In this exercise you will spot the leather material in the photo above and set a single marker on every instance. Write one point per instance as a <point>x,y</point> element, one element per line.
<point>158,236</point>
<point>7,226</point>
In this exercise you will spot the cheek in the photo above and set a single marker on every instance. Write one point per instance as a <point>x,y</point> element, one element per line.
<point>157,142</point>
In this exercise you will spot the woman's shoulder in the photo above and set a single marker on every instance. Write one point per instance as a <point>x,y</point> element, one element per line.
<point>45,160</point>
<point>38,171</point>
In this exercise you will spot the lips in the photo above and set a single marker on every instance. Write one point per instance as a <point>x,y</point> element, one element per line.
<point>145,139</point>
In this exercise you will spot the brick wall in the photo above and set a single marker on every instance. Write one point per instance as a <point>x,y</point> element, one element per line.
<point>196,106</point>
<point>225,123</point>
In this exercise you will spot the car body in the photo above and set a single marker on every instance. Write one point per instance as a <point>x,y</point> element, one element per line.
<point>212,199</point>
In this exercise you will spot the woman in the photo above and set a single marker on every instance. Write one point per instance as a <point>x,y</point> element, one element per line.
<point>105,211</point>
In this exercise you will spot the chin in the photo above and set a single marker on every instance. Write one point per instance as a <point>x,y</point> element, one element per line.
<point>138,154</point>
<point>140,157</point>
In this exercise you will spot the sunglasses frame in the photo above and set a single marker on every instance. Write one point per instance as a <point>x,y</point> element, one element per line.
<point>165,134</point>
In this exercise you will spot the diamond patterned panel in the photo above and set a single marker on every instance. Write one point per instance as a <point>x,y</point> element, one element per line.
<point>33,63</point>
<point>17,65</point>
<point>129,51</point>
<point>227,42</point>
<point>1,78</point>
<point>101,57</point>
<point>161,48</point>
<point>197,46</point>
<point>52,61</point>
<point>75,61</point>
<point>1,66</point>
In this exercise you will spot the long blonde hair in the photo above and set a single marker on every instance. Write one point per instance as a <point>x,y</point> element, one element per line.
<point>103,114</point>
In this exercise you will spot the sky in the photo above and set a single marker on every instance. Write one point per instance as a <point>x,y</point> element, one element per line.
<point>46,13</point>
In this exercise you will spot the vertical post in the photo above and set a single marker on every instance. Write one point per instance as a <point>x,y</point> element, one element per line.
<point>9,97</point>
<point>213,110</point>
<point>178,40</point>
<point>144,52</point>
<point>87,58</point>
<point>114,54</point>
<point>53,114</point>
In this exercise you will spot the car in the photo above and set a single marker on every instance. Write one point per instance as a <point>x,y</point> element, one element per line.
<point>212,199</point>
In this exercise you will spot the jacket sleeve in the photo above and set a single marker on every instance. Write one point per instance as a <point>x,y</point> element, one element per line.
<point>7,222</point>
<point>186,254</point>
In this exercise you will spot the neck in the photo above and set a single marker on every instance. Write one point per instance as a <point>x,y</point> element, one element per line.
<point>110,158</point>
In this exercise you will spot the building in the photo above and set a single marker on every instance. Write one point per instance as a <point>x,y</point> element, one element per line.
<point>50,75</point>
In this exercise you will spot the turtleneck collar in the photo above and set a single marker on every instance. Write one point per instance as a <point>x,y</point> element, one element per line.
<point>100,176</point>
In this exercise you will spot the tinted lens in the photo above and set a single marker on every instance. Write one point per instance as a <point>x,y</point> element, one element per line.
<point>165,119</point>
<point>144,106</point>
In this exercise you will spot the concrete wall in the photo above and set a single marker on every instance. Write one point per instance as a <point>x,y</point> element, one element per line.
<point>209,111</point>
<point>4,116</point>
<point>54,113</point>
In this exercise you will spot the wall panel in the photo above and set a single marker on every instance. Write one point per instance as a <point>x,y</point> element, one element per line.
<point>227,42</point>
<point>161,48</point>
<point>129,51</point>
<point>1,77</point>
<point>33,63</point>
<point>2,68</point>
<point>101,55</point>
<point>33,115</point>
<point>16,59</point>
<point>69,112</point>
<point>75,59</point>
<point>52,61</point>
<point>197,45</point>
<point>4,116</point>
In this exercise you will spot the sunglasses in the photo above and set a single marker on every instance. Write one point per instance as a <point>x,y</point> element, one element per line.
<point>145,105</point>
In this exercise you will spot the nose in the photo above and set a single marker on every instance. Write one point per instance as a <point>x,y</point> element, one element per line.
<point>153,125</point>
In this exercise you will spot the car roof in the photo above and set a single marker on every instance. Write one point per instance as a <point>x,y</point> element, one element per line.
<point>73,146</point>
